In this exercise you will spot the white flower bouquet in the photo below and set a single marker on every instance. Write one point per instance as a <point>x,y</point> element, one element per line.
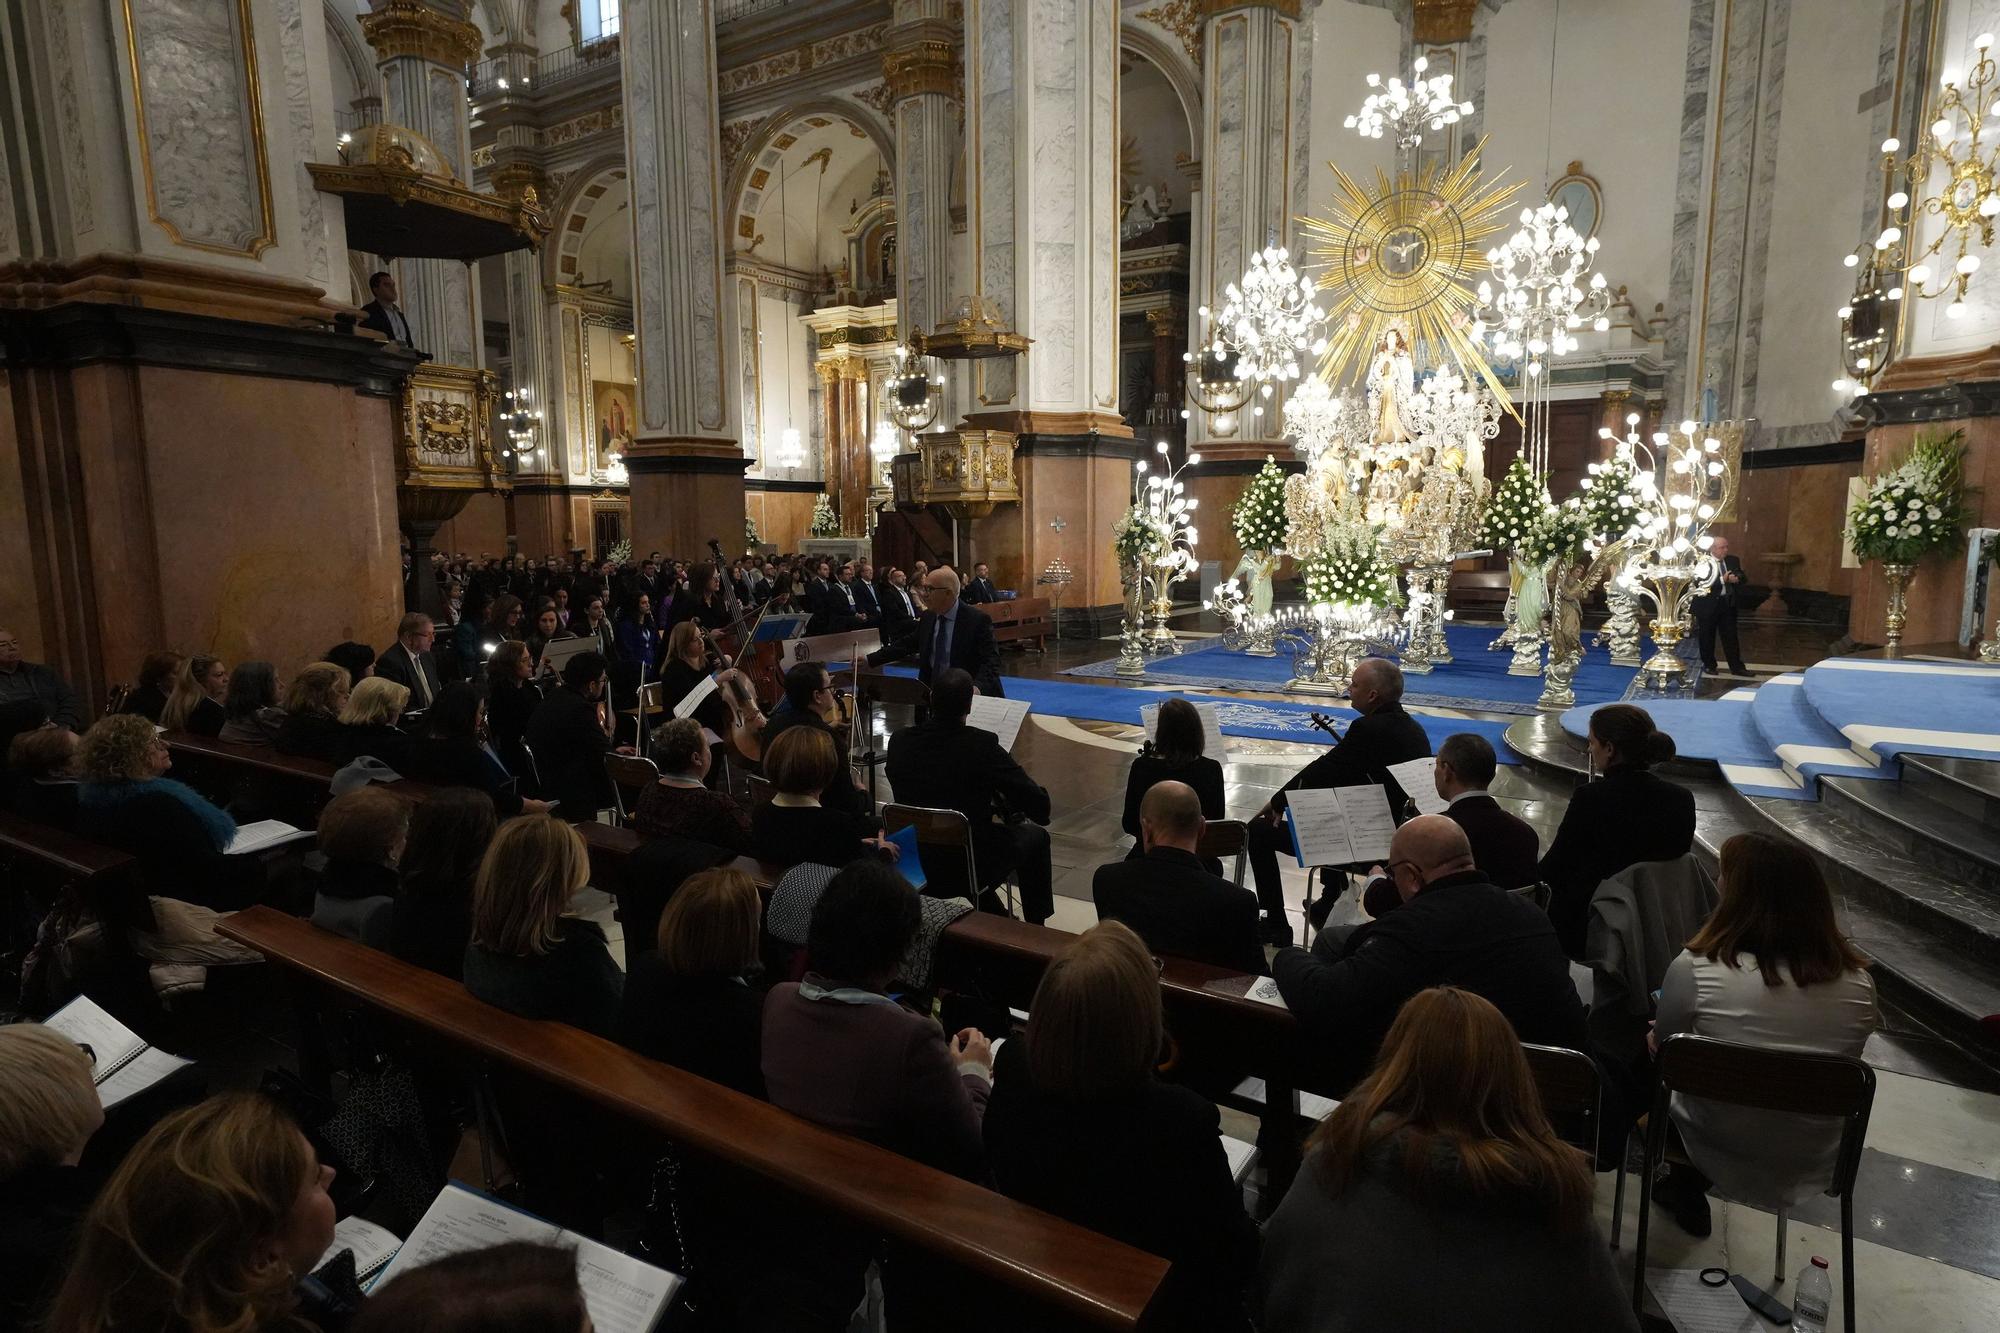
<point>1915,509</point>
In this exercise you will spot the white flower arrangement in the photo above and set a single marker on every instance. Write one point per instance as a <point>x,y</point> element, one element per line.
<point>1351,569</point>
<point>1915,509</point>
<point>1259,517</point>
<point>825,523</point>
<point>1519,503</point>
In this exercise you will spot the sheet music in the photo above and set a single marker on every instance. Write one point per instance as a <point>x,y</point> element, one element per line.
<point>1337,826</point>
<point>1693,1308</point>
<point>692,700</point>
<point>1370,822</point>
<point>622,1294</point>
<point>126,1065</point>
<point>1242,1156</point>
<point>1213,744</point>
<point>374,1246</point>
<point>140,1073</point>
<point>1418,779</point>
<point>1002,717</point>
<point>264,833</point>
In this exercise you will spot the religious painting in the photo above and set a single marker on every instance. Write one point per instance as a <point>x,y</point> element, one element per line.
<point>613,421</point>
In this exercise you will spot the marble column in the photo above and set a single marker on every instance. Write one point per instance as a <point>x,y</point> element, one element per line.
<point>922,72</point>
<point>686,464</point>
<point>422,50</point>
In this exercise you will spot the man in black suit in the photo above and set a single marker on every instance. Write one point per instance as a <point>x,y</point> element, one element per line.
<point>942,762</point>
<point>569,743</point>
<point>383,314</point>
<point>1384,734</point>
<point>1506,850</point>
<point>1455,928</point>
<point>899,608</point>
<point>949,633</point>
<point>1169,898</point>
<point>1715,612</point>
<point>409,663</point>
<point>980,589</point>
<point>867,605</point>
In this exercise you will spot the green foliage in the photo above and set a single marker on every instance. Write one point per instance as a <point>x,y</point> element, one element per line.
<point>1138,539</point>
<point>1915,509</point>
<point>1519,503</point>
<point>1610,499</point>
<point>1259,517</point>
<point>750,537</point>
<point>1561,533</point>
<point>1351,569</point>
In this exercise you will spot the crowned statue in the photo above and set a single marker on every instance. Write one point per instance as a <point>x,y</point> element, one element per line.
<point>1391,380</point>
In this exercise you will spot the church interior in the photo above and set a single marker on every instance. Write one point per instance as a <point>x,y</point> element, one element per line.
<point>1389,513</point>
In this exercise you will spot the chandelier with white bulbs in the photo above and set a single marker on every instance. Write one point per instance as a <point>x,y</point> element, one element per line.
<point>1315,416</point>
<point>1407,110</point>
<point>1448,411</point>
<point>1269,323</point>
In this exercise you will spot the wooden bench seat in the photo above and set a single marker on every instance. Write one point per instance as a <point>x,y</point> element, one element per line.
<point>1074,1278</point>
<point>294,787</point>
<point>1020,619</point>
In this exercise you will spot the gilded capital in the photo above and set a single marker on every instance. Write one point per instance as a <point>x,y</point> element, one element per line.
<point>1439,22</point>
<point>1166,321</point>
<point>927,65</point>
<point>411,28</point>
<point>521,181</point>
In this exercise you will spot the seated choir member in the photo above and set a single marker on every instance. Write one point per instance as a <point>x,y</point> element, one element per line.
<point>695,1001</point>
<point>793,826</point>
<point>250,712</point>
<point>1628,815</point>
<point>1503,847</point>
<point>511,699</point>
<point>451,753</point>
<point>369,724</point>
<point>1170,898</point>
<point>43,768</point>
<point>313,702</point>
<point>526,956</point>
<point>1454,926</point>
<point>681,803</point>
<point>179,838</point>
<point>1174,754</point>
<point>519,1287</point>
<point>156,677</point>
<point>1436,1197</point>
<point>195,705</point>
<point>48,1112</point>
<point>569,742</point>
<point>361,835</point>
<point>1770,968</point>
<point>432,920</point>
<point>213,1221</point>
<point>1079,1126</point>
<point>809,697</point>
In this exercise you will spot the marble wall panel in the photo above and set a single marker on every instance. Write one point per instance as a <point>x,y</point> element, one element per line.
<point>1690,178</point>
<point>305,138</point>
<point>445,114</point>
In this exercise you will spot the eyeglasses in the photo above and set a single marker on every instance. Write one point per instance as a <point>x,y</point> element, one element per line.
<point>1391,868</point>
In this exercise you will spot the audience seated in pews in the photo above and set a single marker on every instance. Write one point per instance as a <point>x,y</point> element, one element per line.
<point>432,921</point>
<point>474,642</point>
<point>681,803</point>
<point>156,676</point>
<point>1628,815</point>
<point>1436,1197</point>
<point>793,826</point>
<point>357,659</point>
<point>808,698</point>
<point>312,712</point>
<point>48,1112</point>
<point>1503,847</point>
<point>511,700</point>
<point>213,1221</point>
<point>195,704</point>
<point>1174,903</point>
<point>369,724</point>
<point>526,956</point>
<point>517,1287</point>
<point>694,1001</point>
<point>409,661</point>
<point>1384,734</point>
<point>361,835</point>
<point>943,762</point>
<point>43,767</point>
<point>250,712</point>
<point>1174,754</point>
<point>1080,1126</point>
<point>34,682</point>
<point>1769,969</point>
<point>1454,926</point>
<point>451,754</point>
<point>568,740</point>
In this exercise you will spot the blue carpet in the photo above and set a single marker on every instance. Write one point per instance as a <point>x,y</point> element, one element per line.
<point>1886,708</point>
<point>1801,740</point>
<point>1476,678</point>
<point>1720,731</point>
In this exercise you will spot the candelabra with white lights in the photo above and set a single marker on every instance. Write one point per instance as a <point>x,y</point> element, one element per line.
<point>1405,110</point>
<point>1161,502</point>
<point>1269,324</point>
<point>522,421</point>
<point>1670,563</point>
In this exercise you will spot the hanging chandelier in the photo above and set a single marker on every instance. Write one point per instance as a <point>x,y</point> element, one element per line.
<point>1269,323</point>
<point>1407,110</point>
<point>789,453</point>
<point>914,390</point>
<point>522,421</point>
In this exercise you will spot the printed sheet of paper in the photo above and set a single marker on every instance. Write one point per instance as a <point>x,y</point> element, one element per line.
<point>374,1246</point>
<point>126,1065</point>
<point>1002,717</point>
<point>1265,991</point>
<point>1694,1308</point>
<point>264,833</point>
<point>1418,779</point>
<point>1213,744</point>
<point>1242,1156</point>
<point>692,700</point>
<point>1336,826</point>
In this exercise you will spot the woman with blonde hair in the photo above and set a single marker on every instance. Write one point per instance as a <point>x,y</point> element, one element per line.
<point>48,1113</point>
<point>195,704</point>
<point>313,702</point>
<point>1437,1197</point>
<point>368,723</point>
<point>210,1225</point>
<point>693,1001</point>
<point>1080,1126</point>
<point>526,956</point>
<point>179,837</point>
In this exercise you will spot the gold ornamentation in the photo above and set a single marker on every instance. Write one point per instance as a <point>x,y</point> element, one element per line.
<point>1897,613</point>
<point>590,123</point>
<point>1182,18</point>
<point>444,428</point>
<point>876,95</point>
<point>926,66</point>
<point>411,28</point>
<point>1441,22</point>
<point>521,182</point>
<point>735,138</point>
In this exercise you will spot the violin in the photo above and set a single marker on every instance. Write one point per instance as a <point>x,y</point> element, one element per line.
<point>1332,726</point>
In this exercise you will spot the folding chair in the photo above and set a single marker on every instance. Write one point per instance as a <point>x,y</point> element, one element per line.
<point>1751,1076</point>
<point>1226,837</point>
<point>1572,1093</point>
<point>628,772</point>
<point>651,703</point>
<point>945,829</point>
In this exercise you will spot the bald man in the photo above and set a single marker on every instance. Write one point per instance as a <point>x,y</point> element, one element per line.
<point>1455,928</point>
<point>1169,898</point>
<point>1384,734</point>
<point>949,633</point>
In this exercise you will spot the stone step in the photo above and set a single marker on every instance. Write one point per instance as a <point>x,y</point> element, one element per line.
<point>1903,818</point>
<point>1969,786</point>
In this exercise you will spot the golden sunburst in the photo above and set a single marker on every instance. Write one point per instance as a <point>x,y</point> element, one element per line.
<point>1406,253</point>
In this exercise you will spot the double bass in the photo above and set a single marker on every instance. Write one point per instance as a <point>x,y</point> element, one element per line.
<point>761,668</point>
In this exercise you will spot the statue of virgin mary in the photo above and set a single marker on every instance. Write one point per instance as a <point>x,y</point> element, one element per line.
<point>1391,380</point>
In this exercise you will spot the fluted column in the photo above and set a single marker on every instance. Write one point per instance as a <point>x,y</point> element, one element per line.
<point>530,334</point>
<point>422,50</point>
<point>686,464</point>
<point>924,79</point>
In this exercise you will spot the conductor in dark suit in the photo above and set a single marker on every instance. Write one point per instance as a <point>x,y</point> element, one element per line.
<point>409,663</point>
<point>1173,903</point>
<point>949,633</point>
<point>1715,612</point>
<point>1384,734</point>
<point>383,314</point>
<point>943,762</point>
<point>1505,849</point>
<point>569,743</point>
<point>979,589</point>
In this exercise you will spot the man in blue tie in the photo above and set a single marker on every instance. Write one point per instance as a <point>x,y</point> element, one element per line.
<point>949,633</point>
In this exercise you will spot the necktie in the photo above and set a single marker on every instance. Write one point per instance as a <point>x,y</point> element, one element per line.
<point>423,681</point>
<point>940,647</point>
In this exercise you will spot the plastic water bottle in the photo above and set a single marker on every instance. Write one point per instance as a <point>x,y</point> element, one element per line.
<point>1811,1297</point>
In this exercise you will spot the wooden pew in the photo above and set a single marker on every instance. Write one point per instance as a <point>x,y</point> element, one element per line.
<point>1072,1277</point>
<point>294,787</point>
<point>1020,619</point>
<point>43,861</point>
